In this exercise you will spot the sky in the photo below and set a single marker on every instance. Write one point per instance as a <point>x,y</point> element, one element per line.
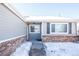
<point>70,10</point>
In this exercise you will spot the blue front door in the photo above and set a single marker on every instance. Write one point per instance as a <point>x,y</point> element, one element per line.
<point>35,32</point>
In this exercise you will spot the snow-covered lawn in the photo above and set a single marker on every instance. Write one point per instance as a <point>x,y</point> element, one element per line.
<point>62,49</point>
<point>23,50</point>
<point>53,49</point>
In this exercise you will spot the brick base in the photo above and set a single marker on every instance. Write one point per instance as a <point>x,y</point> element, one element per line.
<point>8,47</point>
<point>46,38</point>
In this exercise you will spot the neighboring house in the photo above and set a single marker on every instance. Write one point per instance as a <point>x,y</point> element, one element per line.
<point>50,28</point>
<point>12,29</point>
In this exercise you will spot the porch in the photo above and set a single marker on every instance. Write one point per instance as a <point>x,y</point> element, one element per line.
<point>48,32</point>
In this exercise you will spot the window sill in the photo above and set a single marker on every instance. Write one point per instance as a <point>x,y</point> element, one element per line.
<point>60,35</point>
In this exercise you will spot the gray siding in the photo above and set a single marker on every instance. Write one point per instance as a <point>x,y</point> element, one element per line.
<point>10,25</point>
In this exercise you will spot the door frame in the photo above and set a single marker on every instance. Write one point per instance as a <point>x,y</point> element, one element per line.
<point>29,29</point>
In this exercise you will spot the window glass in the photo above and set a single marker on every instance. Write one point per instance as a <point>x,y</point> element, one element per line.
<point>32,28</point>
<point>59,28</point>
<point>35,28</point>
<point>53,28</point>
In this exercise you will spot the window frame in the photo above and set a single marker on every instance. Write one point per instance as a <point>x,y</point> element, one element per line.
<point>59,32</point>
<point>34,25</point>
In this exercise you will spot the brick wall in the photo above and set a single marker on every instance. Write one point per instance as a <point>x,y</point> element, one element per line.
<point>8,47</point>
<point>50,38</point>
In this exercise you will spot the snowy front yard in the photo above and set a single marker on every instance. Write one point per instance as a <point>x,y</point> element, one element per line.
<point>53,49</point>
<point>62,49</point>
<point>23,50</point>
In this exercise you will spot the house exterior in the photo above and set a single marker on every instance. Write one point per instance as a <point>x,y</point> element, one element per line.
<point>52,29</point>
<point>16,29</point>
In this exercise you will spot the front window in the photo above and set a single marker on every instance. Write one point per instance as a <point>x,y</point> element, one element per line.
<point>59,28</point>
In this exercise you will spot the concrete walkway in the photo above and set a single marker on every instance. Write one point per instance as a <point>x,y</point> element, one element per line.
<point>37,49</point>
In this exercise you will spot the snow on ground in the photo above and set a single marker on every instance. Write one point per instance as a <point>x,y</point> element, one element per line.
<point>62,49</point>
<point>23,50</point>
<point>53,49</point>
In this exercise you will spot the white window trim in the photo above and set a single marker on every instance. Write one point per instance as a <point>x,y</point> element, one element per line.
<point>58,32</point>
<point>33,25</point>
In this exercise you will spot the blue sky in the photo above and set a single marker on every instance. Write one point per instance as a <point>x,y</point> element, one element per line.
<point>49,9</point>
